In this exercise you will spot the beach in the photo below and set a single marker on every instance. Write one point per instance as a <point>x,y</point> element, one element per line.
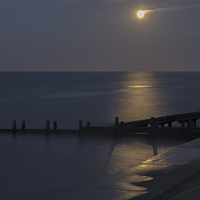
<point>171,175</point>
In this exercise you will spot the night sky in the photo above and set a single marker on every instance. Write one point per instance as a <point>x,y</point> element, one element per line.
<point>99,35</point>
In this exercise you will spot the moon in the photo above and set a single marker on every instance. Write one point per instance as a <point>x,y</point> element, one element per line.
<point>140,14</point>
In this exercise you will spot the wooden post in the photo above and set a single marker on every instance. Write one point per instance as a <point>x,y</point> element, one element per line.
<point>182,124</point>
<point>14,125</point>
<point>80,124</point>
<point>55,125</point>
<point>194,123</point>
<point>121,124</point>
<point>169,124</point>
<point>116,121</point>
<point>152,123</point>
<point>121,127</point>
<point>189,123</point>
<point>47,125</point>
<point>23,125</point>
<point>162,125</point>
<point>88,124</point>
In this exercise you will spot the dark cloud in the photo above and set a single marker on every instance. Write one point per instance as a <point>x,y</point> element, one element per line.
<point>172,8</point>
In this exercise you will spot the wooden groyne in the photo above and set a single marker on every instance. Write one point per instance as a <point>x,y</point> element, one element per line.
<point>47,128</point>
<point>187,121</point>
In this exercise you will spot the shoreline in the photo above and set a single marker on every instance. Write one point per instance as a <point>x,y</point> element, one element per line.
<point>159,177</point>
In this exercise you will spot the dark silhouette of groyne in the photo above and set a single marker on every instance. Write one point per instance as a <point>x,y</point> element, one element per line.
<point>187,121</point>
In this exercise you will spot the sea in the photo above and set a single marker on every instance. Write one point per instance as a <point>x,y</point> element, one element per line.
<point>40,166</point>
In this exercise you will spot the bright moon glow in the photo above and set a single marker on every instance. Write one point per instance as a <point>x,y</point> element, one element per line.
<point>140,14</point>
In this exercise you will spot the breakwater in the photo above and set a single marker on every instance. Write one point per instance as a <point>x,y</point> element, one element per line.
<point>153,125</point>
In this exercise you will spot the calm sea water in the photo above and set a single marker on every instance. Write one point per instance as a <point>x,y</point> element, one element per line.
<point>39,166</point>
<point>98,97</point>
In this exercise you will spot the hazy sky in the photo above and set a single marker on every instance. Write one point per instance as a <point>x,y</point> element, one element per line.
<point>99,35</point>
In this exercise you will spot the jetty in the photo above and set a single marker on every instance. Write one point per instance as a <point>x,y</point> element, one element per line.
<point>187,121</point>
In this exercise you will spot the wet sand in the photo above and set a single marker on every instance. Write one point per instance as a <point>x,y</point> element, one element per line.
<point>171,175</point>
